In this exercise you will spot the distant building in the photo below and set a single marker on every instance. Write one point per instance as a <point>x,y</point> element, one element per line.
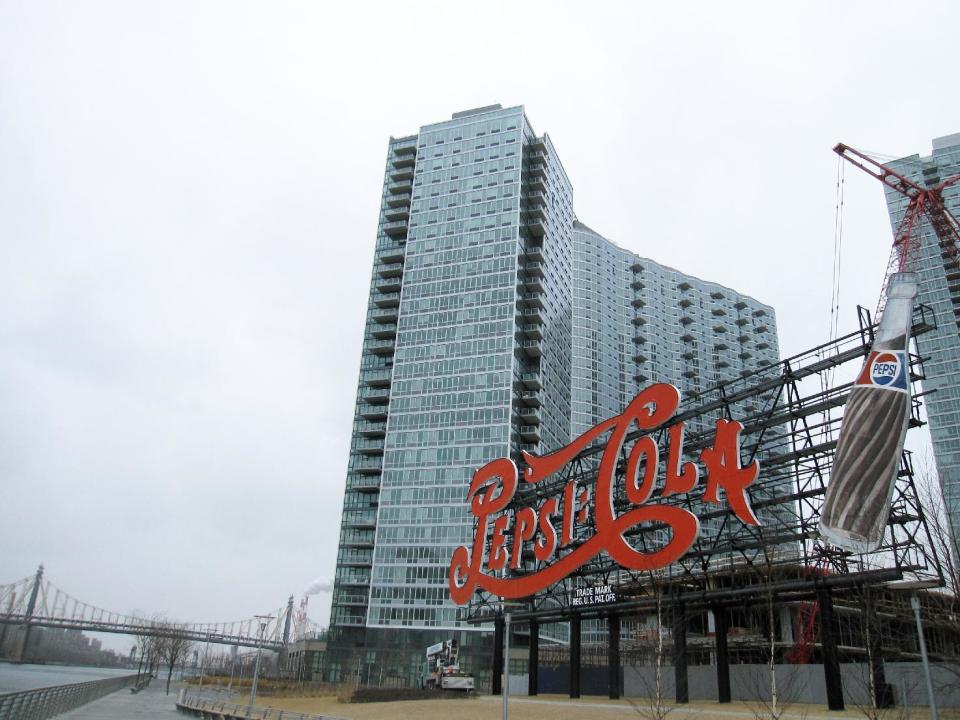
<point>496,323</point>
<point>940,289</point>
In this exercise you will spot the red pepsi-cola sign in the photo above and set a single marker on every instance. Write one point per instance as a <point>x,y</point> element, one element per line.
<point>558,530</point>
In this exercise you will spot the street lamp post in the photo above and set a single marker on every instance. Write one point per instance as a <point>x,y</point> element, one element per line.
<point>915,604</point>
<point>506,665</point>
<point>263,619</point>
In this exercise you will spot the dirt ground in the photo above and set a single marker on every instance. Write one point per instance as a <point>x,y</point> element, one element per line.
<point>559,707</point>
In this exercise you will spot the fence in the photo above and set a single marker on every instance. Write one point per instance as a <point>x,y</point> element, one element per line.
<point>47,702</point>
<point>197,705</point>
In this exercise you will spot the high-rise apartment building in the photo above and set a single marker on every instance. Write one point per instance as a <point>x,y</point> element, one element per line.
<point>495,324</point>
<point>466,358</point>
<point>940,290</point>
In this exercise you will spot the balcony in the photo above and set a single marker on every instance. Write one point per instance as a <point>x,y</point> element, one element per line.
<point>689,373</point>
<point>360,519</point>
<point>389,270</point>
<point>637,266</point>
<point>536,227</point>
<point>369,465</point>
<point>387,300</point>
<point>531,380</point>
<point>371,429</point>
<point>638,285</point>
<point>532,348</point>
<point>639,339</point>
<point>532,284</point>
<point>762,345</point>
<point>385,331</point>
<point>391,253</point>
<point>742,321</point>
<point>376,378</point>
<point>684,285</point>
<point>400,213</point>
<point>640,377</point>
<point>530,300</point>
<point>638,302</point>
<point>389,285</point>
<point>533,330</point>
<point>719,328</point>
<point>528,416</point>
<point>401,162</point>
<point>639,320</point>
<point>402,174</point>
<point>410,149</point>
<point>530,398</point>
<point>533,269</point>
<point>740,305</point>
<point>375,396</point>
<point>640,357</point>
<point>532,314</point>
<point>533,254</point>
<point>373,413</point>
<point>394,229</point>
<point>530,433</point>
<point>685,319</point>
<point>369,447</point>
<point>718,312</point>
<point>404,187</point>
<point>686,302</point>
<point>401,200</point>
<point>387,316</point>
<point>381,347</point>
<point>536,170</point>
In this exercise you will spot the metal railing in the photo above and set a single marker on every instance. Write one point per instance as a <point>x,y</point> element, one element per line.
<point>197,705</point>
<point>47,702</point>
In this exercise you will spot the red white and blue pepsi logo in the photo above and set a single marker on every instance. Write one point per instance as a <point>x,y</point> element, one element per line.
<point>885,369</point>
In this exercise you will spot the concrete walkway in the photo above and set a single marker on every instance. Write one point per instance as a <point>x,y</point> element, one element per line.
<point>151,702</point>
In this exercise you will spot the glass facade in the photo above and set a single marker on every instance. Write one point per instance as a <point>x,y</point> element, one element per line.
<point>939,289</point>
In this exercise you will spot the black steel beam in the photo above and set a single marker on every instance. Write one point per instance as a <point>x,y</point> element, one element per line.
<point>613,656</point>
<point>533,666</point>
<point>831,659</point>
<point>680,652</point>
<point>721,624</point>
<point>575,656</point>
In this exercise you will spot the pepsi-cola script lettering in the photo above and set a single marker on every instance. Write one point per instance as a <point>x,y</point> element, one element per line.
<point>553,525</point>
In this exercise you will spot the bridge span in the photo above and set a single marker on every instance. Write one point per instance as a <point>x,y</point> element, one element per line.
<point>36,602</point>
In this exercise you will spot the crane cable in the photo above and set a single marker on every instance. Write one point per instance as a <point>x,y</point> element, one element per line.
<point>837,252</point>
<point>827,378</point>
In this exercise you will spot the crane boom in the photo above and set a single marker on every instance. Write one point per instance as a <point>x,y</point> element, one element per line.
<point>923,201</point>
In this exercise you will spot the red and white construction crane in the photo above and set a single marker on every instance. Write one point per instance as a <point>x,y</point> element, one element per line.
<point>924,202</point>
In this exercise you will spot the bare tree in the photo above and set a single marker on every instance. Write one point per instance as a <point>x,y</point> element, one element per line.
<point>945,545</point>
<point>173,647</point>
<point>656,707</point>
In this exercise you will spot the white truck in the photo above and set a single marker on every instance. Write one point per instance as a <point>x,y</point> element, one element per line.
<point>443,668</point>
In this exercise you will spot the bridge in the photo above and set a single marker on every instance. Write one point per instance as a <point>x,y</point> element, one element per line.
<point>36,602</point>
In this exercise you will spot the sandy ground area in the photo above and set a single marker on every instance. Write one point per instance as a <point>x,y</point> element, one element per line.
<point>559,707</point>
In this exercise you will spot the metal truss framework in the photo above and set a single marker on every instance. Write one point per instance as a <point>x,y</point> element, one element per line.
<point>791,412</point>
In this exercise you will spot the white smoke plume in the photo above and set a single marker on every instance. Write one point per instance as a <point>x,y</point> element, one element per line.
<point>321,584</point>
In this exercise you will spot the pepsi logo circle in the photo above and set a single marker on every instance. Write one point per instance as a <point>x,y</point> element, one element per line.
<point>884,369</point>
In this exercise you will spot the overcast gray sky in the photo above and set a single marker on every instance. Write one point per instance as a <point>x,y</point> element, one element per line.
<point>188,206</point>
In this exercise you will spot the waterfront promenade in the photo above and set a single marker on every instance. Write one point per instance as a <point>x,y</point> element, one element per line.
<point>150,703</point>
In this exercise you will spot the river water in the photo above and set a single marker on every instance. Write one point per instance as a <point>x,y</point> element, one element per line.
<point>27,677</point>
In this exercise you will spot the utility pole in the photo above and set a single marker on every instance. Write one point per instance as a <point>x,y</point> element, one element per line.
<point>263,619</point>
